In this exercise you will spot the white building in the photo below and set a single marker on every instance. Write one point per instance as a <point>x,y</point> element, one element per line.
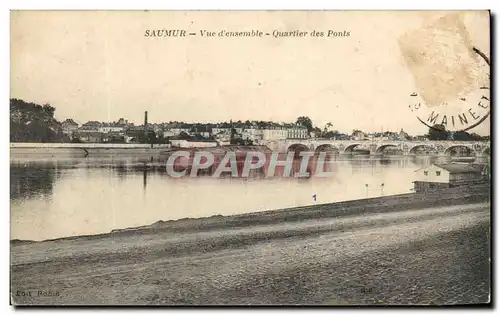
<point>193,144</point>
<point>313,134</point>
<point>204,134</point>
<point>174,131</point>
<point>105,128</point>
<point>297,133</point>
<point>358,135</point>
<point>253,134</point>
<point>217,130</point>
<point>168,133</point>
<point>94,126</point>
<point>90,127</point>
<point>449,175</point>
<point>223,138</point>
<point>274,134</point>
<point>69,126</point>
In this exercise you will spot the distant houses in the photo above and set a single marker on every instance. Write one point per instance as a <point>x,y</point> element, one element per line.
<point>93,137</point>
<point>252,132</point>
<point>359,135</point>
<point>194,143</point>
<point>248,132</point>
<point>175,129</point>
<point>69,126</point>
<point>256,132</point>
<point>438,176</point>
<point>95,126</point>
<point>95,131</point>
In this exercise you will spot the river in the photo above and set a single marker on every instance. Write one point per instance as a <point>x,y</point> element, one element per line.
<point>52,198</point>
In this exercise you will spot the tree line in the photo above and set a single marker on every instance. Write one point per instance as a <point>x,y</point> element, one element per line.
<point>31,122</point>
<point>439,132</point>
<point>436,132</point>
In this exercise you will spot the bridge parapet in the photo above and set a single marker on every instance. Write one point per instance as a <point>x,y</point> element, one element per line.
<point>407,147</point>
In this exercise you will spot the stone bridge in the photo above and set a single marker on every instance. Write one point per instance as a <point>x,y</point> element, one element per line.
<point>377,147</point>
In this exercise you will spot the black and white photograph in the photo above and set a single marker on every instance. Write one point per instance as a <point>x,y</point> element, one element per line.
<point>250,158</point>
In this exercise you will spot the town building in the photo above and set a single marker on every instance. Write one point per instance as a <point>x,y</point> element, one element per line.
<point>193,144</point>
<point>221,130</point>
<point>122,121</point>
<point>201,130</point>
<point>438,176</point>
<point>274,133</point>
<point>157,128</point>
<point>69,126</point>
<point>87,136</point>
<point>133,134</point>
<point>222,138</point>
<point>253,134</point>
<point>297,132</point>
<point>403,135</point>
<point>111,127</point>
<point>172,130</point>
<point>169,133</point>
<point>358,135</point>
<point>90,126</point>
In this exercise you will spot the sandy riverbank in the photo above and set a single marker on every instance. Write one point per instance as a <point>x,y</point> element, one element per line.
<point>404,255</point>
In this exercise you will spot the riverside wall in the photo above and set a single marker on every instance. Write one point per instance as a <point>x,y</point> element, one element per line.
<point>22,149</point>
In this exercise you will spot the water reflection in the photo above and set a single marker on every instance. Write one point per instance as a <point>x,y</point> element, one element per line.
<point>56,198</point>
<point>34,178</point>
<point>29,179</point>
<point>30,182</point>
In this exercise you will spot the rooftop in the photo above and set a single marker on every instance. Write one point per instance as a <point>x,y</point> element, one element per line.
<point>462,167</point>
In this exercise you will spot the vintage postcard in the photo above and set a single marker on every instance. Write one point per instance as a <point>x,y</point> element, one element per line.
<point>250,158</point>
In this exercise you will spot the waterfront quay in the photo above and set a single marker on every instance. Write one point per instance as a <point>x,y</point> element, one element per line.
<point>18,149</point>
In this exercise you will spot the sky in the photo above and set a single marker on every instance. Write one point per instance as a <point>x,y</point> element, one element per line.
<point>98,65</point>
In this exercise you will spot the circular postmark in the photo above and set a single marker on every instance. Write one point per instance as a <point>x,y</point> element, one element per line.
<point>463,112</point>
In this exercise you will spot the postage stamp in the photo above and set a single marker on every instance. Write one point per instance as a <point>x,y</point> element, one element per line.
<point>452,76</point>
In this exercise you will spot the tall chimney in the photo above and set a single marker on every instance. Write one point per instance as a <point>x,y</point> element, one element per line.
<point>146,125</point>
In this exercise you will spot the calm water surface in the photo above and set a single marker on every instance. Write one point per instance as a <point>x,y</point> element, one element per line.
<point>58,198</point>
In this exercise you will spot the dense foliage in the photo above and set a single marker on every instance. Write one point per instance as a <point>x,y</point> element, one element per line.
<point>30,122</point>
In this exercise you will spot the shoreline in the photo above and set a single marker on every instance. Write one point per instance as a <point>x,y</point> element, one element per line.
<point>402,202</point>
<point>81,150</point>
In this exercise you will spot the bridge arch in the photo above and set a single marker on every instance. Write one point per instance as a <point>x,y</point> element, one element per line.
<point>381,148</point>
<point>450,150</point>
<point>428,148</point>
<point>327,148</point>
<point>487,151</point>
<point>298,147</point>
<point>349,148</point>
